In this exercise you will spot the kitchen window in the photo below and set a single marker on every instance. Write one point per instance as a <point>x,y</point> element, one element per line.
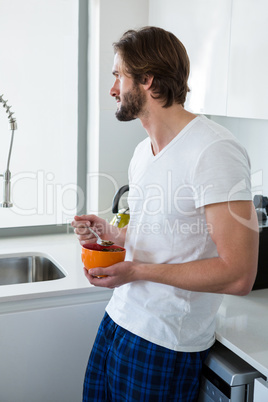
<point>43,75</point>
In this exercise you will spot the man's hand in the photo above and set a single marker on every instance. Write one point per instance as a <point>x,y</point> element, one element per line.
<point>115,275</point>
<point>105,230</point>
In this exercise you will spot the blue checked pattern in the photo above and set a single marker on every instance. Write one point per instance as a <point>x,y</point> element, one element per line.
<point>125,367</point>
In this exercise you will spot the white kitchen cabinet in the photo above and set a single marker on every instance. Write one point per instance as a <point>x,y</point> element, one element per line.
<point>204,29</point>
<point>44,352</point>
<point>248,65</point>
<point>227,42</point>
<point>260,390</point>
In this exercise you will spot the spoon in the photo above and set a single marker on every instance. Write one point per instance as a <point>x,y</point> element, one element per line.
<point>104,243</point>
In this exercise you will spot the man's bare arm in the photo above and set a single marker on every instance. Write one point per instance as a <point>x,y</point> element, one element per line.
<point>235,233</point>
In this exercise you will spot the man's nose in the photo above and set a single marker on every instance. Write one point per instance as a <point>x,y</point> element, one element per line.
<point>114,91</point>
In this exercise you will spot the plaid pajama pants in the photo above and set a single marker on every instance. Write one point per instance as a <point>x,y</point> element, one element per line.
<point>125,367</point>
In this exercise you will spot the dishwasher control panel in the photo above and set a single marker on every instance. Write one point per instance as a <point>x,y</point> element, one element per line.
<point>210,393</point>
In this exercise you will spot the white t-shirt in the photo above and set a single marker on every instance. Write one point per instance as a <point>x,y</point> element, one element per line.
<point>203,164</point>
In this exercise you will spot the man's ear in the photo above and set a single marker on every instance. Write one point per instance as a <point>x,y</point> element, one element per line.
<point>147,81</point>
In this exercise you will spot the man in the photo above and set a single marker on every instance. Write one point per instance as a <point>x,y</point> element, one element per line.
<point>192,235</point>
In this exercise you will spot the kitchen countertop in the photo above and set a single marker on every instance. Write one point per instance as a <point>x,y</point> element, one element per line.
<point>242,326</point>
<point>242,323</point>
<point>65,251</point>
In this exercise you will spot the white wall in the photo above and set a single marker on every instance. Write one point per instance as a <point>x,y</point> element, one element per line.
<point>253,134</point>
<point>115,140</point>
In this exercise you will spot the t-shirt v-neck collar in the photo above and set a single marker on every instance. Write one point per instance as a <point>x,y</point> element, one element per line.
<point>172,142</point>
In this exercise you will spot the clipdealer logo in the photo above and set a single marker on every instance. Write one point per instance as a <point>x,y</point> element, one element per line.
<point>47,196</point>
<point>63,200</point>
<point>170,198</point>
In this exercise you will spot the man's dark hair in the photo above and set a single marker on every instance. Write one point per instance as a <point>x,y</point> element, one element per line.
<point>156,52</point>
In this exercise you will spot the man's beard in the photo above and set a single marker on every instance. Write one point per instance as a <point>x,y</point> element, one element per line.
<point>131,105</point>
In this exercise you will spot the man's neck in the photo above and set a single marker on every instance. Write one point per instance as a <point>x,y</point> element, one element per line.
<point>164,124</point>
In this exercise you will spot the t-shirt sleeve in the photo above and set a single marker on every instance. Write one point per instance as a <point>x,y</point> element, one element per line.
<point>222,174</point>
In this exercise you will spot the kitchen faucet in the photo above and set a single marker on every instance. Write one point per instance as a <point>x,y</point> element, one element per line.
<point>7,174</point>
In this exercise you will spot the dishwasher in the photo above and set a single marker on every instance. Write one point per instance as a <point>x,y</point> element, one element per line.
<point>226,377</point>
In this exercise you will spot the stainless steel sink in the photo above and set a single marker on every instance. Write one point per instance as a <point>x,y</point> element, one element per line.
<point>28,268</point>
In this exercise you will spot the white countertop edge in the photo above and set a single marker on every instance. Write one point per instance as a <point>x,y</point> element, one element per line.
<point>55,299</point>
<point>243,355</point>
<point>242,326</point>
<point>90,290</point>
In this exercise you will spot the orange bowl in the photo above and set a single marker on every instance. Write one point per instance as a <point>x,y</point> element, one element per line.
<point>93,255</point>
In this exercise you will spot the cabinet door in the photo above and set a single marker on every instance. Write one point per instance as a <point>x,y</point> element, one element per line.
<point>248,72</point>
<point>44,352</point>
<point>260,390</point>
<point>204,29</point>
